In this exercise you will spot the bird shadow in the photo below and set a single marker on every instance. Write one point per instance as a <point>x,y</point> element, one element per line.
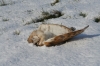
<point>82,36</point>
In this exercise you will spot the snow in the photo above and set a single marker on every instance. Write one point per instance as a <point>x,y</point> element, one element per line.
<point>82,50</point>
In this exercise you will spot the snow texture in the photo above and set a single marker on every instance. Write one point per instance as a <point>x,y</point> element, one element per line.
<point>82,50</point>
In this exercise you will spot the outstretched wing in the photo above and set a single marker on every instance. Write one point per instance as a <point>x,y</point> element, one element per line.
<point>62,38</point>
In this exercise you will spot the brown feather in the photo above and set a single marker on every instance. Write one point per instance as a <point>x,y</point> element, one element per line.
<point>62,38</point>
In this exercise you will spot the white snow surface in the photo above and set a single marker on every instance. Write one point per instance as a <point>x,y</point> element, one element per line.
<point>82,50</point>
